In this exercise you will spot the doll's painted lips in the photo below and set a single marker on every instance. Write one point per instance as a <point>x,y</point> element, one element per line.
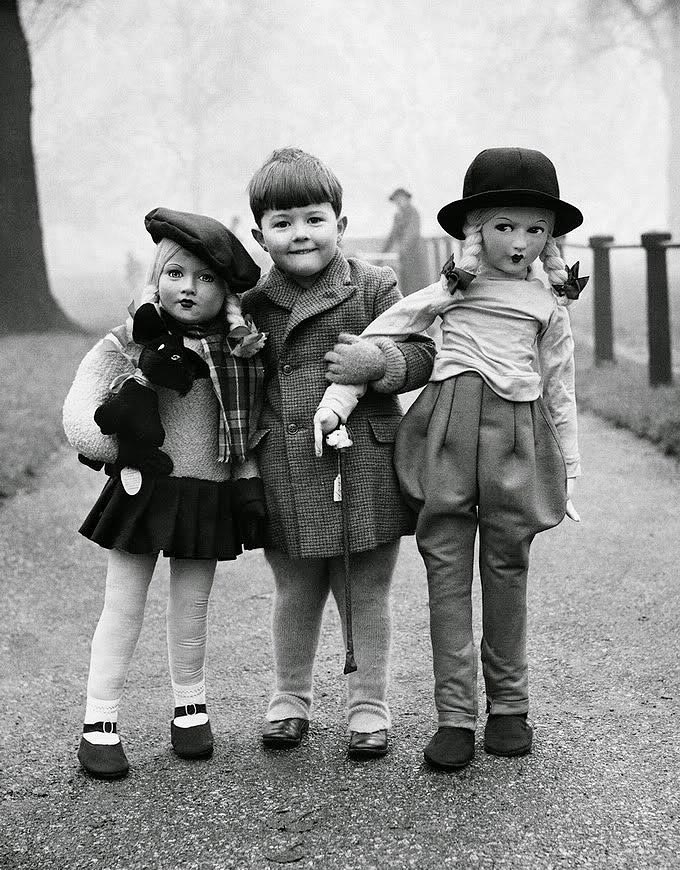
<point>187,303</point>
<point>517,258</point>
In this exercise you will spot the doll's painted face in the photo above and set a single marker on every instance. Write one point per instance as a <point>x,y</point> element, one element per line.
<point>190,291</point>
<point>301,240</point>
<point>512,239</point>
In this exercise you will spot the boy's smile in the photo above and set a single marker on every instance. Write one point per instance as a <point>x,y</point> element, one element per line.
<point>301,240</point>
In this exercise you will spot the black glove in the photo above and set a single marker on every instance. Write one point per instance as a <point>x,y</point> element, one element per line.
<point>247,495</point>
<point>149,460</point>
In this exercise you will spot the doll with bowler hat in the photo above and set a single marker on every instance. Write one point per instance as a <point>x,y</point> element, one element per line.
<point>199,499</point>
<point>490,446</point>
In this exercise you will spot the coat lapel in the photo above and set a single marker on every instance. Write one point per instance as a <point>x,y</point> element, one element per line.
<point>331,288</point>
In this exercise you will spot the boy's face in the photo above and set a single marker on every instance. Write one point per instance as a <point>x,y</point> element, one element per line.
<point>302,240</point>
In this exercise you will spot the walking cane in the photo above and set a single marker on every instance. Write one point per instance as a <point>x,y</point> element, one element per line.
<point>340,441</point>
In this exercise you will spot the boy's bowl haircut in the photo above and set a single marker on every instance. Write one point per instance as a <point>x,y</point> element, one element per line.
<point>292,178</point>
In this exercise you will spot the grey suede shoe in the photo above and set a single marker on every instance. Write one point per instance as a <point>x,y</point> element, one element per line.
<point>450,748</point>
<point>508,735</point>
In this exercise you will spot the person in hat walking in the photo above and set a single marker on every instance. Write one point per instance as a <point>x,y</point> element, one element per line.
<point>201,497</point>
<point>491,442</point>
<point>405,237</point>
<point>312,294</point>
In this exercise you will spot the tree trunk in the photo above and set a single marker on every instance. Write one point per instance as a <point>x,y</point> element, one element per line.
<point>26,304</point>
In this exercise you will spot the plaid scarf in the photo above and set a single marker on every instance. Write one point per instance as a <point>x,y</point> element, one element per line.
<point>238,385</point>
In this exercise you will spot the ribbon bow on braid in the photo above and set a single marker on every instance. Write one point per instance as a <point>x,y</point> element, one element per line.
<point>456,279</point>
<point>573,285</point>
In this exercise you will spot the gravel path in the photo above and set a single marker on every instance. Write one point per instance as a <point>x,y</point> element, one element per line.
<point>600,789</point>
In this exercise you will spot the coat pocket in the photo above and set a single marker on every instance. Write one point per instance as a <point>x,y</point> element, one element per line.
<point>384,428</point>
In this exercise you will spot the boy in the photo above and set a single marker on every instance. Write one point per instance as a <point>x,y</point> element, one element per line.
<point>310,296</point>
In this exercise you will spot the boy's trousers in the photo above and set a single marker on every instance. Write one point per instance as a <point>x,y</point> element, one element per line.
<point>302,588</point>
<point>467,458</point>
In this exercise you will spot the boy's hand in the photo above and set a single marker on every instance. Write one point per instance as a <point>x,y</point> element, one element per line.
<point>325,421</point>
<point>354,360</point>
<point>572,513</point>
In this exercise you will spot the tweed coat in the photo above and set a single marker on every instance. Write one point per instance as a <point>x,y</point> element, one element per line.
<point>303,325</point>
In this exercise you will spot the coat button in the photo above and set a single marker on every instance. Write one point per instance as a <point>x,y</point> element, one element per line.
<point>287,369</point>
<point>292,428</point>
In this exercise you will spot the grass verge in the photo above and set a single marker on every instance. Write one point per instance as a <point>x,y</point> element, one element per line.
<point>36,371</point>
<point>620,393</point>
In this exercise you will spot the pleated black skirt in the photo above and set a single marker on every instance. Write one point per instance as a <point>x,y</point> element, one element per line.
<point>182,517</point>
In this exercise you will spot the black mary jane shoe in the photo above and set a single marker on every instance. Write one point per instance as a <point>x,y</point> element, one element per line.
<point>285,733</point>
<point>450,748</point>
<point>508,735</point>
<point>367,744</point>
<point>194,742</point>
<point>102,761</point>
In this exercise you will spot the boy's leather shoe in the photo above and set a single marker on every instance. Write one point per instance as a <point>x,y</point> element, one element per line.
<point>367,744</point>
<point>508,735</point>
<point>450,748</point>
<point>285,733</point>
<point>103,761</point>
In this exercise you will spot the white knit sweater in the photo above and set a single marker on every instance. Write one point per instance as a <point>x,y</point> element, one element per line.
<point>190,421</point>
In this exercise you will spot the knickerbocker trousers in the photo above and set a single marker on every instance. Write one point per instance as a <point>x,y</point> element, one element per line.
<point>467,458</point>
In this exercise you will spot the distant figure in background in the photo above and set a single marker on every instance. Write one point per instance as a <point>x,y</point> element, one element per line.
<point>405,238</point>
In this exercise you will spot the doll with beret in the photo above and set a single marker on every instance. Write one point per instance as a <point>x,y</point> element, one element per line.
<point>188,433</point>
<point>490,445</point>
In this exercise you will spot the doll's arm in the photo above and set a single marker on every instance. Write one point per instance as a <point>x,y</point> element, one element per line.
<point>556,360</point>
<point>390,353</point>
<point>248,501</point>
<point>90,388</point>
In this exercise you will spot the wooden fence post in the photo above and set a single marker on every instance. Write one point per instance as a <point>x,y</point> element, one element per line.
<point>658,314</point>
<point>602,299</point>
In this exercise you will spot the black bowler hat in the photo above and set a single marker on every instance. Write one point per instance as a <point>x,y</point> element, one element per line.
<point>209,240</point>
<point>510,177</point>
<point>399,192</point>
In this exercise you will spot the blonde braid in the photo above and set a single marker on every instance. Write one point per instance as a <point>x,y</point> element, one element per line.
<point>232,310</point>
<point>554,266</point>
<point>472,230</point>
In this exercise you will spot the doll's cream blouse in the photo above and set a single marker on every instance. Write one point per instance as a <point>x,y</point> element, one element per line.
<point>512,332</point>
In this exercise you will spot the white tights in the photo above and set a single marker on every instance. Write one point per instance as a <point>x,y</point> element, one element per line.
<point>115,638</point>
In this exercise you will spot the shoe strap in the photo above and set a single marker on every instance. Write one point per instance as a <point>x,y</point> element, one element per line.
<point>190,710</point>
<point>105,727</point>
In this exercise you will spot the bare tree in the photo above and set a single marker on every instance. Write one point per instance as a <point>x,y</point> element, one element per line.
<point>652,28</point>
<point>26,304</point>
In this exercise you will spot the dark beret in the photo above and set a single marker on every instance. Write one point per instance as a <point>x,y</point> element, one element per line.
<point>209,240</point>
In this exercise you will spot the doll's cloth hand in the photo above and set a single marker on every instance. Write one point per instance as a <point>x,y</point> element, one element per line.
<point>94,464</point>
<point>325,421</point>
<point>149,460</point>
<point>247,494</point>
<point>571,511</point>
<point>354,360</point>
<point>132,413</point>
